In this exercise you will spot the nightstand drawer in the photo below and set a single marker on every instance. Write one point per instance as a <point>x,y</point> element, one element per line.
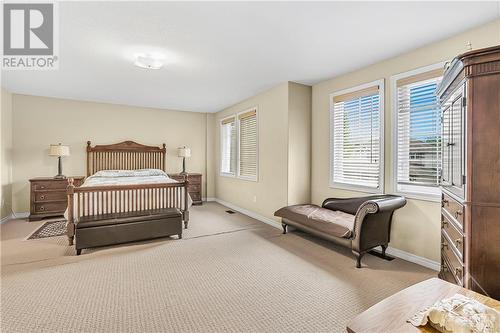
<point>194,179</point>
<point>195,196</point>
<point>44,196</point>
<point>50,207</point>
<point>58,185</point>
<point>194,188</point>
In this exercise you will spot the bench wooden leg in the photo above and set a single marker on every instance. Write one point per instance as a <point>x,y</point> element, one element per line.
<point>78,252</point>
<point>384,247</point>
<point>179,236</point>
<point>284,227</point>
<point>358,258</point>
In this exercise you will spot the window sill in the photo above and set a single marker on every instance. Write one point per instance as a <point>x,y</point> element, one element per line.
<point>356,188</point>
<point>230,175</point>
<point>419,196</point>
<point>432,194</point>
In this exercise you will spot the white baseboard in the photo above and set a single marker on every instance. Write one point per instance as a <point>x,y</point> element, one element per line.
<point>208,199</point>
<point>6,218</point>
<point>21,215</point>
<point>244,211</point>
<point>434,265</point>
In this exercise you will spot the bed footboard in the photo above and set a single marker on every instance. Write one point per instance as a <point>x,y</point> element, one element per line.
<point>100,200</point>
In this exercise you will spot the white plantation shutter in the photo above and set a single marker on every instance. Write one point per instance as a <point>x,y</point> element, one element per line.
<point>418,132</point>
<point>355,124</point>
<point>248,144</point>
<point>228,139</point>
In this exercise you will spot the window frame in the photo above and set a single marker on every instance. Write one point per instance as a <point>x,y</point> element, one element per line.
<point>354,187</point>
<point>237,174</point>
<point>223,173</point>
<point>420,192</point>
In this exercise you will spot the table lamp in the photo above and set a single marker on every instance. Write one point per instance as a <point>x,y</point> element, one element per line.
<point>183,152</point>
<point>59,151</point>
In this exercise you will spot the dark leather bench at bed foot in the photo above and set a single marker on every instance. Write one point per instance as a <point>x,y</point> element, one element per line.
<point>117,228</point>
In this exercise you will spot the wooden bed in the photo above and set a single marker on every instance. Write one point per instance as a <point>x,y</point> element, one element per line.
<point>96,201</point>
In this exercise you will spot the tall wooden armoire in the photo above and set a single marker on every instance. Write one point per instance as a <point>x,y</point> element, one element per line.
<point>470,216</point>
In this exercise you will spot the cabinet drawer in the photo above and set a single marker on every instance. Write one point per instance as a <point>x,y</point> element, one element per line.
<point>454,234</point>
<point>194,180</point>
<point>445,272</point>
<point>51,185</point>
<point>195,196</point>
<point>455,263</point>
<point>194,188</point>
<point>41,196</point>
<point>50,207</point>
<point>453,208</point>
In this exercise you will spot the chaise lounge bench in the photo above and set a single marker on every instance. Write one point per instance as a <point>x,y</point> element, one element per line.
<point>109,229</point>
<point>360,224</point>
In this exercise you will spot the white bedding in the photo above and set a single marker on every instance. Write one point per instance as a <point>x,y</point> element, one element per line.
<point>128,177</point>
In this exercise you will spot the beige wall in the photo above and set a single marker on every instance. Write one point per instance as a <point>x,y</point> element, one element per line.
<point>40,121</point>
<point>299,143</point>
<point>416,226</point>
<point>211,166</point>
<point>6,154</point>
<point>270,190</point>
<point>284,114</point>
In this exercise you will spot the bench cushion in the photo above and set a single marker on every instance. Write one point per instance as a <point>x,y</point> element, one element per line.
<point>127,217</point>
<point>335,223</point>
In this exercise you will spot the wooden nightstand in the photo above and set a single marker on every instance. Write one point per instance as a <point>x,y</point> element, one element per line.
<point>194,187</point>
<point>48,197</point>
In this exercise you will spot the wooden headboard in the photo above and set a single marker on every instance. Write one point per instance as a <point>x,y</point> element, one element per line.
<point>127,155</point>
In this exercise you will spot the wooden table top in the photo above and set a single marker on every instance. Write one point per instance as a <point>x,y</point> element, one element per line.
<point>390,315</point>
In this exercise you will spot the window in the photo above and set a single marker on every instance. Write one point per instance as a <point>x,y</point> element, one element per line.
<point>356,135</point>
<point>248,144</point>
<point>239,145</point>
<point>228,146</point>
<point>417,132</point>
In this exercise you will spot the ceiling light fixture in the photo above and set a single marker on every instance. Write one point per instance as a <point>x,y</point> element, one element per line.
<point>149,61</point>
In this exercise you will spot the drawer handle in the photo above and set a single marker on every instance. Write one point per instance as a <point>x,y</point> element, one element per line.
<point>445,202</point>
<point>444,268</point>
<point>42,187</point>
<point>458,271</point>
<point>42,208</point>
<point>444,245</point>
<point>458,213</point>
<point>42,197</point>
<point>444,224</point>
<point>458,242</point>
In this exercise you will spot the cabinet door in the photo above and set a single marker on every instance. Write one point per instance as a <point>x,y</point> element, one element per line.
<point>446,147</point>
<point>457,139</point>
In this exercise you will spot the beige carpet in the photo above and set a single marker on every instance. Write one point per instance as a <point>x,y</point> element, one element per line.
<point>230,274</point>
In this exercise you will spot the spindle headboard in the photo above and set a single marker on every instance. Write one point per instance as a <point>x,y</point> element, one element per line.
<point>127,155</point>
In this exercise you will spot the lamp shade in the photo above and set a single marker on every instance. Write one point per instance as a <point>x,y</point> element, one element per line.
<point>184,152</point>
<point>58,150</point>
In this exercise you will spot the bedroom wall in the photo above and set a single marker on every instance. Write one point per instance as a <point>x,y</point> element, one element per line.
<point>416,227</point>
<point>41,121</point>
<point>299,143</point>
<point>270,190</point>
<point>6,154</point>
<point>284,114</point>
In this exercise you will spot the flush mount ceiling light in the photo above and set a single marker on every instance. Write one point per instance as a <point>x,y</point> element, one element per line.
<point>149,61</point>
